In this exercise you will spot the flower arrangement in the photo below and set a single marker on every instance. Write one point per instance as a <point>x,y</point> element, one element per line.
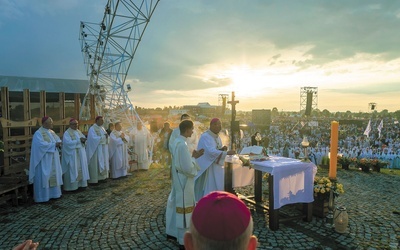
<point>375,164</point>
<point>323,185</point>
<point>346,160</point>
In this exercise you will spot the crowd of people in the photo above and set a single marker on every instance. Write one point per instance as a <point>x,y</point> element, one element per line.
<point>196,160</point>
<point>75,161</point>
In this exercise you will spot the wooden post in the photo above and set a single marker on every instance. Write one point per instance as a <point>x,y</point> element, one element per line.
<point>27,129</point>
<point>92,107</point>
<point>5,111</point>
<point>77,106</point>
<point>42,103</point>
<point>62,111</point>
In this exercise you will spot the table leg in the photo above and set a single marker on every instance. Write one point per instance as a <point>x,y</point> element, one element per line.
<point>258,185</point>
<point>273,213</point>
<point>228,183</point>
<point>307,211</point>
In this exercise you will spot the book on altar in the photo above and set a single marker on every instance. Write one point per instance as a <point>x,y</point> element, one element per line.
<point>252,150</point>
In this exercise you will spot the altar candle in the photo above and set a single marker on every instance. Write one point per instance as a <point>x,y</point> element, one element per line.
<point>334,149</point>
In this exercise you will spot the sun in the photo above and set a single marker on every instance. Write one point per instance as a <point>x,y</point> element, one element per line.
<point>245,80</point>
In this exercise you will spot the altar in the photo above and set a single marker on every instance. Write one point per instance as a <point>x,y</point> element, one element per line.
<point>290,181</point>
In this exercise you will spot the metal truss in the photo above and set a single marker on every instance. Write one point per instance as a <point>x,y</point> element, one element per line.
<point>108,49</point>
<point>303,98</point>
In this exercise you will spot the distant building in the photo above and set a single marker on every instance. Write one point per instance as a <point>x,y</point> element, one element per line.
<point>202,108</point>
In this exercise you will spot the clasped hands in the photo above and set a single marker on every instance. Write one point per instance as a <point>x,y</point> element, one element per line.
<point>197,153</point>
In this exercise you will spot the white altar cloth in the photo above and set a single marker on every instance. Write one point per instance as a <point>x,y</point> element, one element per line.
<point>293,179</point>
<point>241,176</point>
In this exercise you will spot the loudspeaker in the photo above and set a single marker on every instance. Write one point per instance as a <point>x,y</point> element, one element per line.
<point>309,103</point>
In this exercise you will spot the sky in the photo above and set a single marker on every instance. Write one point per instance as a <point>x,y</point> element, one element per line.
<point>194,50</point>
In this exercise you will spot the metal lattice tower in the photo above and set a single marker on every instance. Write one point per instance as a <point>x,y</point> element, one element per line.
<point>222,101</point>
<point>108,48</point>
<point>304,91</point>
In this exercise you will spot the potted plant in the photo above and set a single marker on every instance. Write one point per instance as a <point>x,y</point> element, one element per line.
<point>322,188</point>
<point>365,164</point>
<point>378,164</point>
<point>345,161</point>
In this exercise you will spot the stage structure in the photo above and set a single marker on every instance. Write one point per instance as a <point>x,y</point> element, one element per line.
<point>372,106</point>
<point>308,100</point>
<point>222,100</point>
<point>108,48</point>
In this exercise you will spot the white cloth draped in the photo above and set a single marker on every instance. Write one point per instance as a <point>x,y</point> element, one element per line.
<point>74,162</point>
<point>211,175</point>
<point>44,167</point>
<point>293,179</point>
<point>118,152</point>
<point>97,153</point>
<point>141,143</point>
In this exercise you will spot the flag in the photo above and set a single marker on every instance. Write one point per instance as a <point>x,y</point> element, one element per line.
<point>380,128</point>
<point>368,129</point>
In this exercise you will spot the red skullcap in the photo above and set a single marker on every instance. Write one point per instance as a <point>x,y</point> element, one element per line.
<point>214,120</point>
<point>98,117</point>
<point>220,216</point>
<point>44,119</point>
<point>72,120</point>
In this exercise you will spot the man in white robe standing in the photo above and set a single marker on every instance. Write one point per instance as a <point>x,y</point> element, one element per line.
<point>211,175</point>
<point>141,143</point>
<point>184,169</point>
<point>118,152</point>
<point>97,151</point>
<point>170,216</point>
<point>45,168</point>
<point>74,162</point>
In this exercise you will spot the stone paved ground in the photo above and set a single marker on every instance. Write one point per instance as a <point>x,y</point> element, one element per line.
<point>130,214</point>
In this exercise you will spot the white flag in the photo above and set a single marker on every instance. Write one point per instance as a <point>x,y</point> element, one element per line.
<point>368,129</point>
<point>380,128</point>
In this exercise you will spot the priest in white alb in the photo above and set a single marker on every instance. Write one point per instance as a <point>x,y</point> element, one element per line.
<point>118,152</point>
<point>184,169</point>
<point>97,151</point>
<point>141,143</point>
<point>74,162</point>
<point>45,168</point>
<point>211,175</point>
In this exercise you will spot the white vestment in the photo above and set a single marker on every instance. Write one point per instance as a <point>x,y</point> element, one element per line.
<point>97,153</point>
<point>211,175</point>
<point>179,210</point>
<point>118,152</point>
<point>74,162</point>
<point>45,168</point>
<point>191,141</point>
<point>141,142</point>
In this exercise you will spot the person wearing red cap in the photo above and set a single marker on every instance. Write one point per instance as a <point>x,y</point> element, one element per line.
<point>211,175</point>
<point>45,168</point>
<point>118,152</point>
<point>97,151</point>
<point>220,221</point>
<point>73,161</point>
<point>184,169</point>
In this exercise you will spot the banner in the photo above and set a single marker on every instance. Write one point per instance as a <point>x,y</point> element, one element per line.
<point>368,129</point>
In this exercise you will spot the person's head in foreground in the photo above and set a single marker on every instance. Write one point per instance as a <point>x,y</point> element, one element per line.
<point>220,221</point>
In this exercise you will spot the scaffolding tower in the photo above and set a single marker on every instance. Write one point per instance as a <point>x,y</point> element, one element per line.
<point>308,99</point>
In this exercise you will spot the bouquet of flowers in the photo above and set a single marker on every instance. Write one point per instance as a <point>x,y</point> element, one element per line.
<point>323,185</point>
